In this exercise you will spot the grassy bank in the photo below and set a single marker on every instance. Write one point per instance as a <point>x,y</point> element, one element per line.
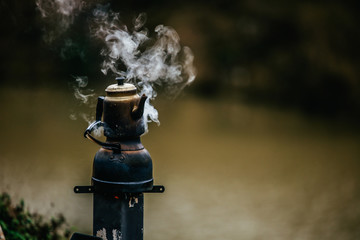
<point>19,224</point>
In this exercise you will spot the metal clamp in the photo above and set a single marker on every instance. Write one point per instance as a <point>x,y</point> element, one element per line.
<point>91,189</point>
<point>84,189</point>
<point>156,189</point>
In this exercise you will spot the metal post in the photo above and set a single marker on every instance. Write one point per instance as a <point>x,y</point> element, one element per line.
<point>119,216</point>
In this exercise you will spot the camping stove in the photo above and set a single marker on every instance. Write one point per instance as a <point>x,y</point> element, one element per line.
<point>122,168</point>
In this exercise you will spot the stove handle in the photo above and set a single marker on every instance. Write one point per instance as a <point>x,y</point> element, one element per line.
<point>106,145</point>
<point>98,123</point>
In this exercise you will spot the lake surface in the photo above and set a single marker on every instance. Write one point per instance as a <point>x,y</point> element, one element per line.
<point>231,171</point>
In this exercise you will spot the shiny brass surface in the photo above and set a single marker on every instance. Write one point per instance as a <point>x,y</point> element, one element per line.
<point>122,111</point>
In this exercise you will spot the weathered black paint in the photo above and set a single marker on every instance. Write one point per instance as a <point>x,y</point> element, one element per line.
<point>119,216</point>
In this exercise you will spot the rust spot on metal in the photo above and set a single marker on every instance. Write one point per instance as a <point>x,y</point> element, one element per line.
<point>101,233</point>
<point>117,235</point>
<point>133,201</point>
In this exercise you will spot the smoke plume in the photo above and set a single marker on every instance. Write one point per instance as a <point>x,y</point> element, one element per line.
<point>58,15</point>
<point>85,97</point>
<point>143,61</point>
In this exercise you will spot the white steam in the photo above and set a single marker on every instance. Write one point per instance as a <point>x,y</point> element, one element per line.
<point>59,15</point>
<point>143,61</point>
<point>80,88</point>
<point>85,96</point>
<point>65,8</point>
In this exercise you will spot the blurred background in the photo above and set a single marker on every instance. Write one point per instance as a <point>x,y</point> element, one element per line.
<point>265,143</point>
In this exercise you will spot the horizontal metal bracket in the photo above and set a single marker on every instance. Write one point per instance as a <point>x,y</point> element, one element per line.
<point>84,189</point>
<point>90,189</point>
<point>156,189</point>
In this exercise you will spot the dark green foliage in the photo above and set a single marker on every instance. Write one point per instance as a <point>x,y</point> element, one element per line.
<point>19,224</point>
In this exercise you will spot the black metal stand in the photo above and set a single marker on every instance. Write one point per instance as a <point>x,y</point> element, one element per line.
<point>122,168</point>
<point>116,216</point>
<point>119,217</point>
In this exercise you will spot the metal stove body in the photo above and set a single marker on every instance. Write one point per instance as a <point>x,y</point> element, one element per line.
<point>122,168</point>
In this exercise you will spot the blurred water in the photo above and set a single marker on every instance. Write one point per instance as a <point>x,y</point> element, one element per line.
<point>231,171</point>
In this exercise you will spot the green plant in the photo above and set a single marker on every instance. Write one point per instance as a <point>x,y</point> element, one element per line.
<point>19,224</point>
